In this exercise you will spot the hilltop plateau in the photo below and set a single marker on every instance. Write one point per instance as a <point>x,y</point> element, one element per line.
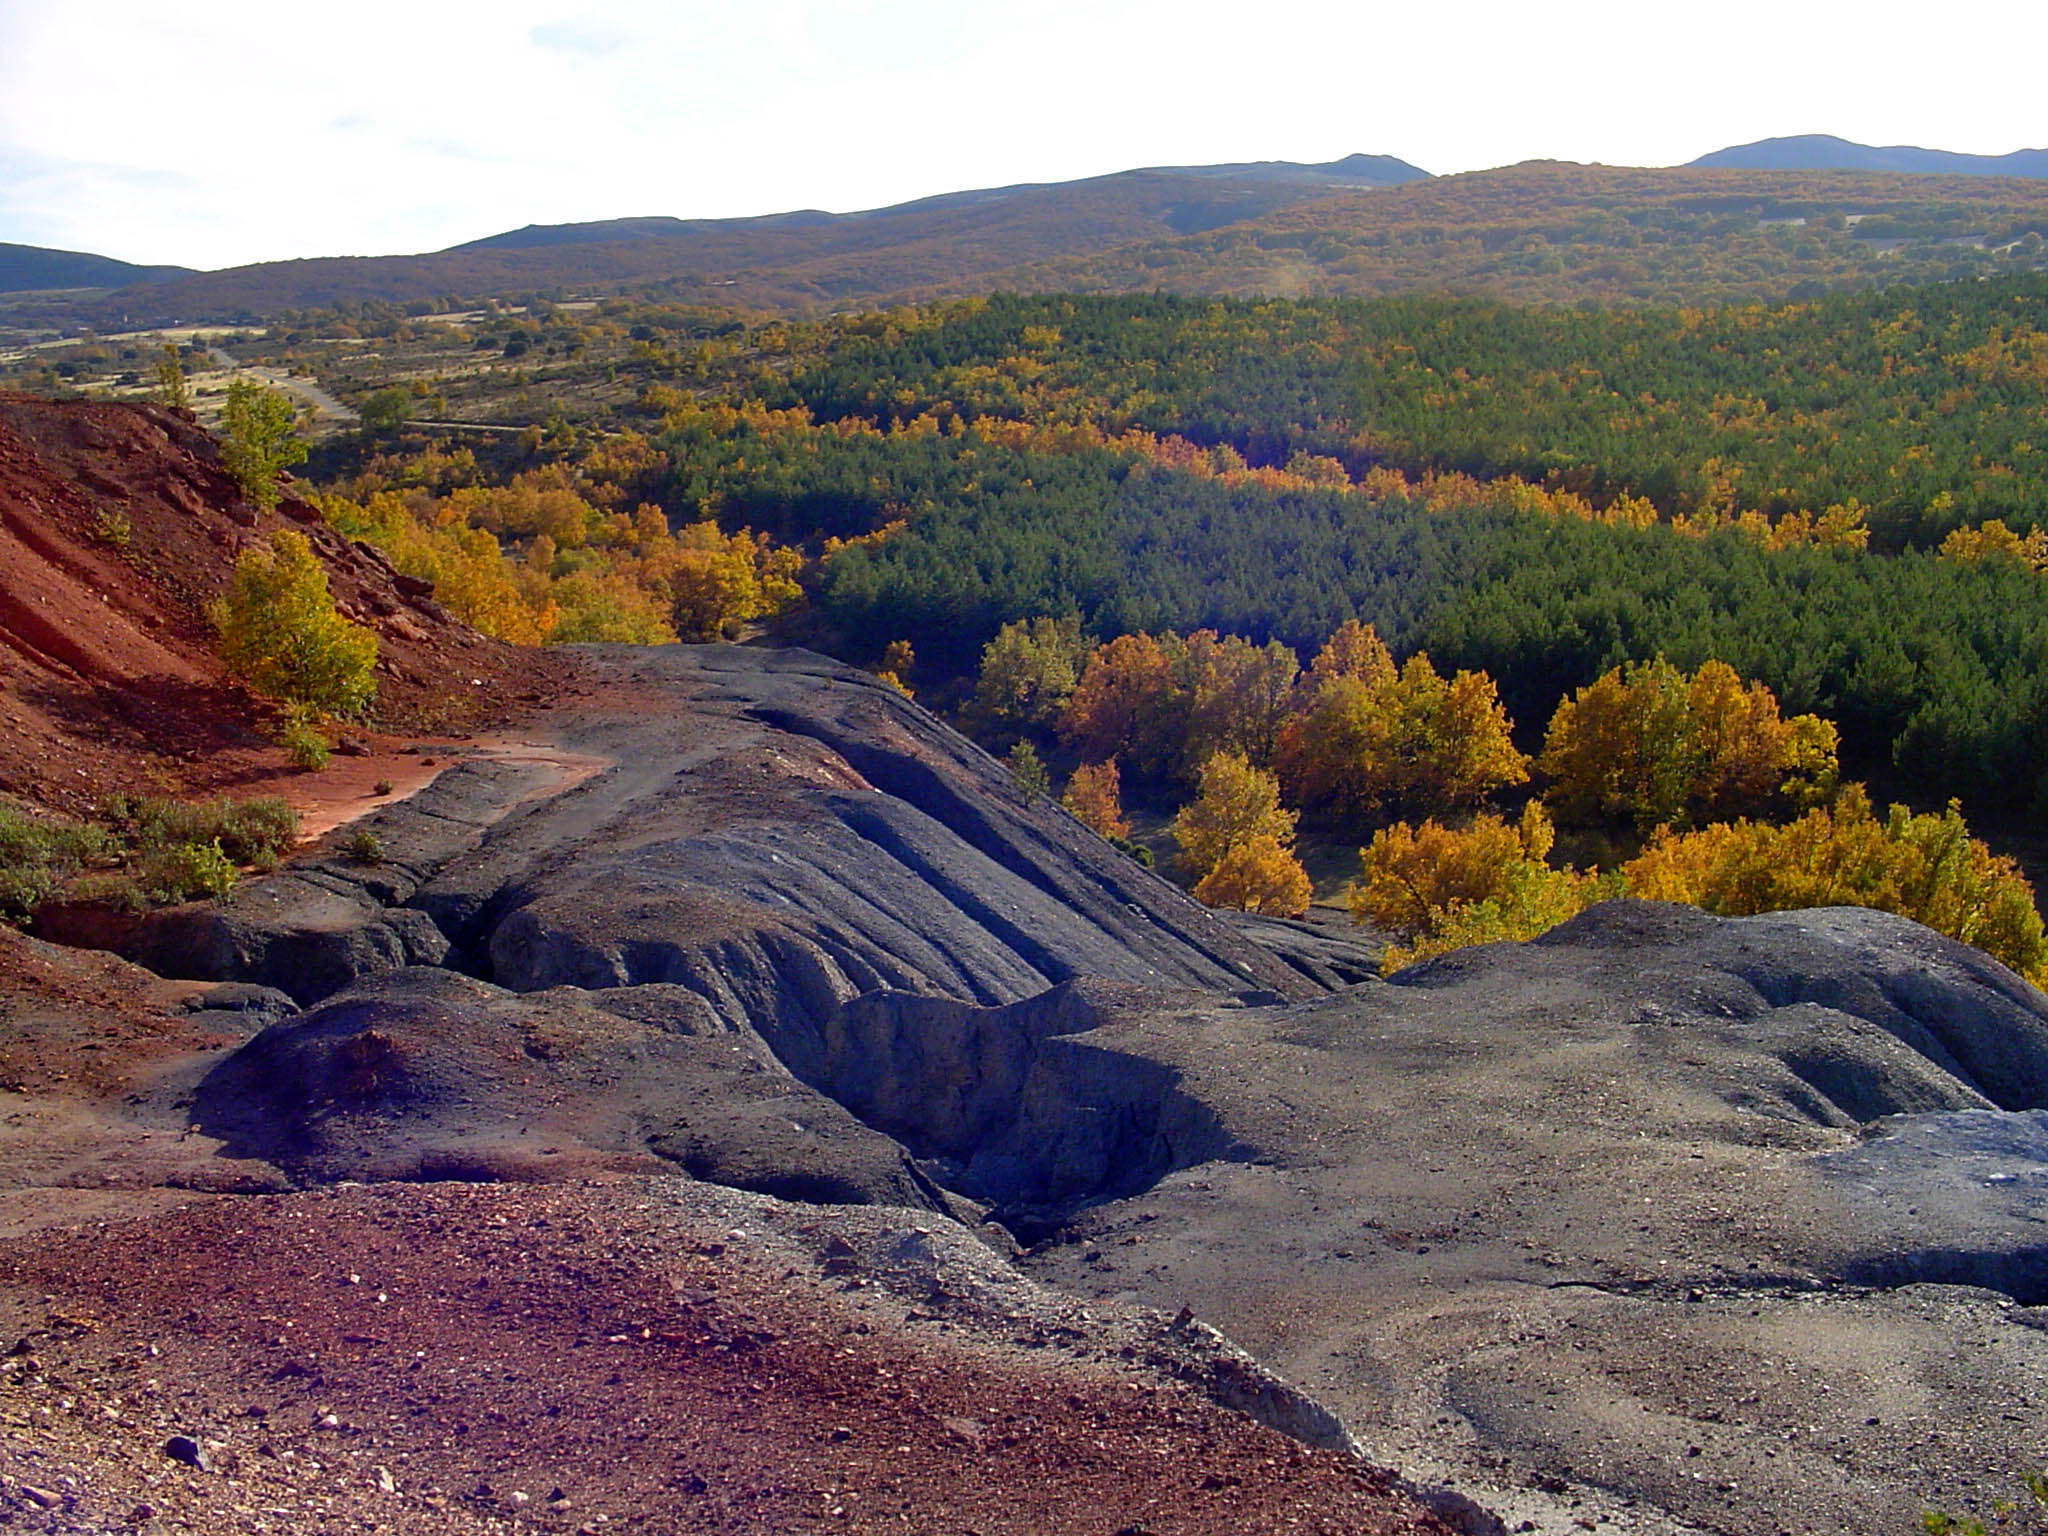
<point>745,1106</point>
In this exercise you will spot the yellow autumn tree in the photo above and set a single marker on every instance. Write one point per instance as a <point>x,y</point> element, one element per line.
<point>1257,876</point>
<point>1992,540</point>
<point>1924,867</point>
<point>1648,745</point>
<point>1370,734</point>
<point>1437,888</point>
<point>1237,803</point>
<point>718,581</point>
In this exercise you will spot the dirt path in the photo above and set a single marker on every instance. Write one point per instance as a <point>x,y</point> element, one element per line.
<point>327,411</point>
<point>390,770</point>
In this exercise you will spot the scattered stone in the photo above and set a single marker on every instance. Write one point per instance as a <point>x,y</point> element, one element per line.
<point>386,1483</point>
<point>42,1498</point>
<point>184,1448</point>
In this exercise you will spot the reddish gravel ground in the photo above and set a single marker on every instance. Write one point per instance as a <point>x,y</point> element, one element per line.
<point>594,1358</point>
<point>117,526</point>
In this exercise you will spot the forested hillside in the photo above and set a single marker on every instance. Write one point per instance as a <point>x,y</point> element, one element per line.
<point>1834,496</point>
<point>1922,404</point>
<point>1552,233</point>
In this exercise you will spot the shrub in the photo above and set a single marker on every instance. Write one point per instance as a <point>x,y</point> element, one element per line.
<point>1134,850</point>
<point>187,872</point>
<point>123,893</point>
<point>254,831</point>
<point>1027,771</point>
<point>256,439</point>
<point>37,854</point>
<point>365,847</point>
<point>280,632</point>
<point>112,529</point>
<point>381,788</point>
<point>307,747</point>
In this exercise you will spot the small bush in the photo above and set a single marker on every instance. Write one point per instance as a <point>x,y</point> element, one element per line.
<point>365,847</point>
<point>22,890</point>
<point>381,788</point>
<point>113,529</point>
<point>254,831</point>
<point>123,893</point>
<point>1131,849</point>
<point>306,745</point>
<point>37,854</point>
<point>188,872</point>
<point>1027,771</point>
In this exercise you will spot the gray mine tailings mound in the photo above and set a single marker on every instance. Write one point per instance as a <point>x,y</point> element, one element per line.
<point>1663,1222</point>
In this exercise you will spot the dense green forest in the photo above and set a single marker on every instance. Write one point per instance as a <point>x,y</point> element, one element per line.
<point>1936,666</point>
<point>1925,405</point>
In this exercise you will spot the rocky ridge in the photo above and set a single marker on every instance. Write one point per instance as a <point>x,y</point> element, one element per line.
<point>1666,1220</point>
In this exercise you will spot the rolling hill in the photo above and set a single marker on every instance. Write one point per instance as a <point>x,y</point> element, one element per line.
<point>790,260</point>
<point>1822,151</point>
<point>31,268</point>
<point>1540,232</point>
<point>1555,233</point>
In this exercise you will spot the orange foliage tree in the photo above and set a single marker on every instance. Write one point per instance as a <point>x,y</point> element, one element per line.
<point>1095,797</point>
<point>1260,875</point>
<point>1372,735</point>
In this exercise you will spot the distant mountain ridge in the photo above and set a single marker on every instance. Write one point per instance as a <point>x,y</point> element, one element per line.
<point>804,259</point>
<point>1351,171</point>
<point>1824,152</point>
<point>1543,232</point>
<point>27,268</point>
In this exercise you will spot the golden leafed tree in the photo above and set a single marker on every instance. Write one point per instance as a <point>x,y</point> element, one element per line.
<point>1236,804</point>
<point>1437,888</point>
<point>1257,876</point>
<point>1648,745</point>
<point>1371,735</point>
<point>1924,867</point>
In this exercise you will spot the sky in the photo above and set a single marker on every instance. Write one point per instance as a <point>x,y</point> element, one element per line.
<point>219,132</point>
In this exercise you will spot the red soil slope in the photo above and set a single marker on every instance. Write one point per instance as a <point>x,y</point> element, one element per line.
<point>117,526</point>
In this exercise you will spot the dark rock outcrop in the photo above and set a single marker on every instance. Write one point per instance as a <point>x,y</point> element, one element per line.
<point>1550,1202</point>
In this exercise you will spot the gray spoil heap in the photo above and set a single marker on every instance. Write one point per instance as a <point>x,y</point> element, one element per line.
<point>1664,1221</point>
